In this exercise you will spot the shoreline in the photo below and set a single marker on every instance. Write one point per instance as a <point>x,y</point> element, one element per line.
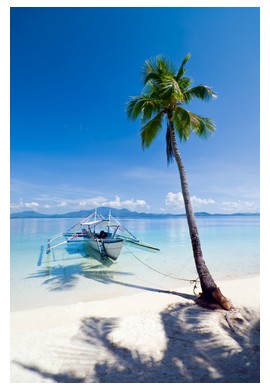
<point>76,342</point>
<point>131,288</point>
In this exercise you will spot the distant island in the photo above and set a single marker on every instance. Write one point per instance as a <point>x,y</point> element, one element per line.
<point>117,213</point>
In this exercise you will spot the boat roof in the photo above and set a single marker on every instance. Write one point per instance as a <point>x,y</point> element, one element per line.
<point>107,222</point>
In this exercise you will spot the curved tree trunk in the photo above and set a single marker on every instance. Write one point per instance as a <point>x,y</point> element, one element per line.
<point>210,291</point>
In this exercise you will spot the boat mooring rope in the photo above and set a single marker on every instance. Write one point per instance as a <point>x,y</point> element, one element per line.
<point>191,281</point>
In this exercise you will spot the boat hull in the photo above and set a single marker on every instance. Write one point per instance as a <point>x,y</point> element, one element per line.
<point>112,247</point>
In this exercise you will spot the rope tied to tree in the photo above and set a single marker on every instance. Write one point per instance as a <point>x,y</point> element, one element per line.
<point>191,281</point>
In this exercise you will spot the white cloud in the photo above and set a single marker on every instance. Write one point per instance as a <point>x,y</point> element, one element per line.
<point>62,204</point>
<point>99,201</point>
<point>92,202</point>
<point>240,206</point>
<point>31,205</point>
<point>196,202</point>
<point>131,204</point>
<point>75,204</point>
<point>175,200</point>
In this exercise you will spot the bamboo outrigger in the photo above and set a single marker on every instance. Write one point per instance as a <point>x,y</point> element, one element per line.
<point>105,235</point>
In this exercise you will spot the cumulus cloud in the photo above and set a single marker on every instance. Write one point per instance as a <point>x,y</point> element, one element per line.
<point>62,204</point>
<point>98,201</point>
<point>175,200</point>
<point>31,205</point>
<point>131,204</point>
<point>95,202</point>
<point>239,206</point>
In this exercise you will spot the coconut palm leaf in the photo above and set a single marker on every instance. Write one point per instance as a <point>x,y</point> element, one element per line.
<point>205,126</point>
<point>170,89</point>
<point>164,93</point>
<point>134,107</point>
<point>155,68</point>
<point>182,70</point>
<point>182,123</point>
<point>200,91</point>
<point>184,83</point>
<point>150,130</point>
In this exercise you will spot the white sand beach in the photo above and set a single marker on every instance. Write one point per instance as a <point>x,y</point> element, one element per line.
<point>146,337</point>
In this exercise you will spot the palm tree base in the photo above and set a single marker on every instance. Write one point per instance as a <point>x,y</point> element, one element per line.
<point>214,300</point>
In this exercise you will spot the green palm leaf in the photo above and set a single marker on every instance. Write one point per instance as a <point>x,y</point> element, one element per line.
<point>134,107</point>
<point>203,127</point>
<point>164,93</point>
<point>150,130</point>
<point>184,83</point>
<point>170,89</point>
<point>182,123</point>
<point>155,68</point>
<point>182,70</point>
<point>200,91</point>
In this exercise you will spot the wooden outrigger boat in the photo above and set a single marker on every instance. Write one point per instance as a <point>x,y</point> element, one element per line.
<point>105,235</point>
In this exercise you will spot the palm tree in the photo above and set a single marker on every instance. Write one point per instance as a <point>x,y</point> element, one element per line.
<point>163,96</point>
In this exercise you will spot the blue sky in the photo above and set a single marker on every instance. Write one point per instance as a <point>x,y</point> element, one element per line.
<point>73,69</point>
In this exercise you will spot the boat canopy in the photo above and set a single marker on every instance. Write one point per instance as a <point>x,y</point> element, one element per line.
<point>103,222</point>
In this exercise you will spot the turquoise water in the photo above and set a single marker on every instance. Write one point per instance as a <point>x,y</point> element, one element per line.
<point>70,274</point>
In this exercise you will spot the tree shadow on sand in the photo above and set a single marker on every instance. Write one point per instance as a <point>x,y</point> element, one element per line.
<point>198,346</point>
<point>194,351</point>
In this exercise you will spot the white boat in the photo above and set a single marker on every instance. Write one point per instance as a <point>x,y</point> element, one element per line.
<point>105,235</point>
<point>102,236</point>
<point>109,248</point>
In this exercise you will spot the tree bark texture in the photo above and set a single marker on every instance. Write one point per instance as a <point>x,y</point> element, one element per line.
<point>210,291</point>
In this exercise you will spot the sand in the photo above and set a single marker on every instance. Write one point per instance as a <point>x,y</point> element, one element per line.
<point>149,337</point>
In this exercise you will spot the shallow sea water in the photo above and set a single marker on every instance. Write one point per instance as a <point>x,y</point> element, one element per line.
<point>71,274</point>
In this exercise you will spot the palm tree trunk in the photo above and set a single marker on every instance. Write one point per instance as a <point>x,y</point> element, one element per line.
<point>210,290</point>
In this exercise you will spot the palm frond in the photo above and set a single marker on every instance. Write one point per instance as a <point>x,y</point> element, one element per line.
<point>150,130</point>
<point>182,70</point>
<point>155,68</point>
<point>163,94</point>
<point>134,107</point>
<point>203,127</point>
<point>165,66</point>
<point>182,123</point>
<point>143,105</point>
<point>200,91</point>
<point>170,89</point>
<point>152,89</point>
<point>151,76</point>
<point>184,83</point>
<point>149,109</point>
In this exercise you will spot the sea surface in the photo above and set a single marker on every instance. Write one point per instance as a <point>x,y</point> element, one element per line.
<point>70,274</point>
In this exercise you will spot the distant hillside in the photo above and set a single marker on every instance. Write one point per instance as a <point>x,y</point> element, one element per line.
<point>122,213</point>
<point>28,214</point>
